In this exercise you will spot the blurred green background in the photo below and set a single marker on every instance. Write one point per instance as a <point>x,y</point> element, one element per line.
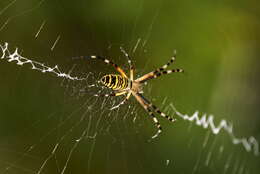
<point>217,45</point>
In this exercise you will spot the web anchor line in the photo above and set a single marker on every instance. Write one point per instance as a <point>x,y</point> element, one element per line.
<point>250,144</point>
<point>20,60</point>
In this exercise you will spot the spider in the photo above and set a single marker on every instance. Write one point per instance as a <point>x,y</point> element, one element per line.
<point>121,84</point>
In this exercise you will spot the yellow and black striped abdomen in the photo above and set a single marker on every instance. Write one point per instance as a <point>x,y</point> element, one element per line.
<point>115,81</point>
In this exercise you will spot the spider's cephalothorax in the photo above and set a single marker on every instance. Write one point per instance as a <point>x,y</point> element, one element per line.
<point>124,85</point>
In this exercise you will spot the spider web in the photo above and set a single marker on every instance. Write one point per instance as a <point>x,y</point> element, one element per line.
<point>51,122</point>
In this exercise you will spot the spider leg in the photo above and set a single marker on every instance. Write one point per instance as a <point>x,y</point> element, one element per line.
<point>169,62</point>
<point>156,109</point>
<point>120,70</point>
<point>145,105</point>
<point>156,122</point>
<point>111,94</point>
<point>123,102</point>
<point>153,74</point>
<point>158,74</point>
<point>129,62</point>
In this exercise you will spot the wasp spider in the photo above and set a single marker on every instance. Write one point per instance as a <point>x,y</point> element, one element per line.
<point>124,85</point>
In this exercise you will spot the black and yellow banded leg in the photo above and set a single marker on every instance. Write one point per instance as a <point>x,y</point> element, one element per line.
<point>111,94</point>
<point>166,72</point>
<point>120,70</point>
<point>156,122</point>
<point>156,109</point>
<point>129,62</point>
<point>168,63</point>
<point>145,105</point>
<point>123,102</point>
<point>153,75</point>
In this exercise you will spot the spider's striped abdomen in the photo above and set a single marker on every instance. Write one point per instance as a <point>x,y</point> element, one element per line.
<point>115,81</point>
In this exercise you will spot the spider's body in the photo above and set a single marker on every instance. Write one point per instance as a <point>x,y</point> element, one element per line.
<point>124,85</point>
<point>120,83</point>
<point>115,82</point>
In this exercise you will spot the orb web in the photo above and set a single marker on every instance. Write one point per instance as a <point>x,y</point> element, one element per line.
<point>65,128</point>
